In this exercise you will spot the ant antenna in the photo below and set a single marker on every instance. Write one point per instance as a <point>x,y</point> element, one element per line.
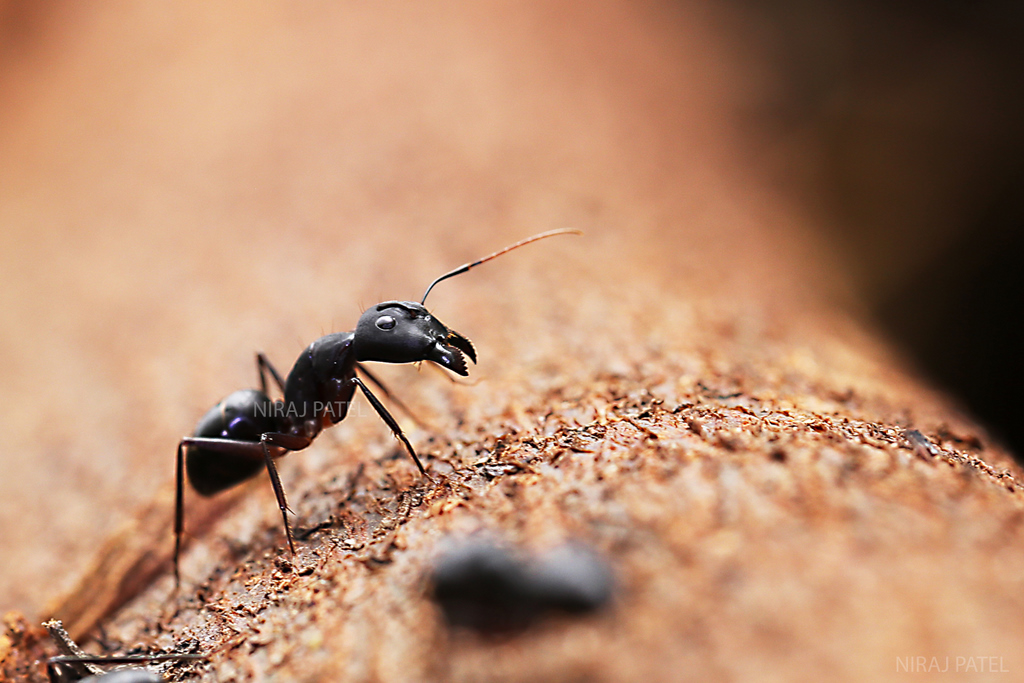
<point>522,243</point>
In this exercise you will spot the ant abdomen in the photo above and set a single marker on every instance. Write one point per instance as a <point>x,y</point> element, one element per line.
<point>243,416</point>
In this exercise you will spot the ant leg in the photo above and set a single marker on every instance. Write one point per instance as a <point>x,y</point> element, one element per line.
<point>263,364</point>
<point>222,445</point>
<point>254,450</point>
<point>69,665</point>
<point>288,442</point>
<point>390,421</point>
<point>75,664</point>
<point>391,397</point>
<point>179,510</point>
<point>65,668</point>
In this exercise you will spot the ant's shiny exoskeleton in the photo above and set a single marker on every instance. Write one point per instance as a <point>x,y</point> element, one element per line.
<point>246,431</point>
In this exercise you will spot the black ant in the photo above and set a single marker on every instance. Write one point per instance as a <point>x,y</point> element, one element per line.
<point>246,431</point>
<point>76,666</point>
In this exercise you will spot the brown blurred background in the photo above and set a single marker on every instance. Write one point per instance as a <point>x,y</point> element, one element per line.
<point>183,185</point>
<point>899,125</point>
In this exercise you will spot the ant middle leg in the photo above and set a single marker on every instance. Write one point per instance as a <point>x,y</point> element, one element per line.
<point>289,442</point>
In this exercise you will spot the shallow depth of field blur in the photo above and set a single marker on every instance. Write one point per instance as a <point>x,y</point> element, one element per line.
<point>895,129</point>
<point>900,126</point>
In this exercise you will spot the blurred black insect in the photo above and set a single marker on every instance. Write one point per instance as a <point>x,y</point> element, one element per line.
<point>247,431</point>
<point>495,589</point>
<point>74,665</point>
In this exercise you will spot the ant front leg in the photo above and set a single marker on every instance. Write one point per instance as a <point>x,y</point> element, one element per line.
<point>390,421</point>
<point>391,397</point>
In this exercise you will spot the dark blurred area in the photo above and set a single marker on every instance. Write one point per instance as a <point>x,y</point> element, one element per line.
<point>899,126</point>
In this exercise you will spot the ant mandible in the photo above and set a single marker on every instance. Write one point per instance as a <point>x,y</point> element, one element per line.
<point>247,431</point>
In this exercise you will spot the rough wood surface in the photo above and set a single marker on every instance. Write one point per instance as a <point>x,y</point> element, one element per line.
<point>678,388</point>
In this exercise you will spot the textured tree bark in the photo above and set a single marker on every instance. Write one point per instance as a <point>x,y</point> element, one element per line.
<point>678,388</point>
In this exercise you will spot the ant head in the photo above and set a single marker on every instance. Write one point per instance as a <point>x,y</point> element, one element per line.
<point>406,332</point>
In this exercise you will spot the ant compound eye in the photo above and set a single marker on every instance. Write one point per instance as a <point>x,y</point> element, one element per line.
<point>385,322</point>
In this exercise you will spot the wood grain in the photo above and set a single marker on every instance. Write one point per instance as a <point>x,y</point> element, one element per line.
<point>687,387</point>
